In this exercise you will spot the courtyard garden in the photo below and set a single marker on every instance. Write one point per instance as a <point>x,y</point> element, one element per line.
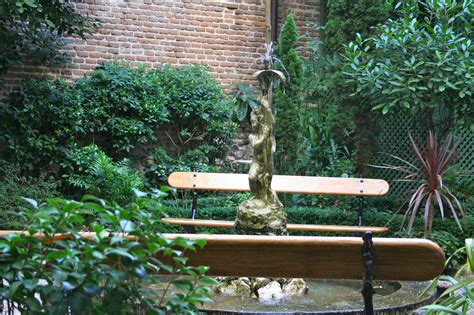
<point>385,92</point>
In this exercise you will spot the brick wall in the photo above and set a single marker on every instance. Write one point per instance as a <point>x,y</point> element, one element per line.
<point>225,36</point>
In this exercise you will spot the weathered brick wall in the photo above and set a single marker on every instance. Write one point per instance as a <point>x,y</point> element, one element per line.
<point>226,36</point>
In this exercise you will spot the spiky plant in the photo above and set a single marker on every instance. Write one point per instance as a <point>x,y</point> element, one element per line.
<point>433,162</point>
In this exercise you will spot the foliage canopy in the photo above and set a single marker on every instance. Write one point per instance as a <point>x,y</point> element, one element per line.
<point>32,28</point>
<point>421,61</point>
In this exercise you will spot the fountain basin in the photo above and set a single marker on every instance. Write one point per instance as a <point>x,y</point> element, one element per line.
<point>329,297</point>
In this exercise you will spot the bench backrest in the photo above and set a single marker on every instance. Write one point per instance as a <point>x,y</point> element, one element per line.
<point>316,257</point>
<point>306,256</point>
<point>281,183</point>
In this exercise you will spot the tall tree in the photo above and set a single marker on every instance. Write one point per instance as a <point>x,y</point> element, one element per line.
<point>286,99</point>
<point>344,19</point>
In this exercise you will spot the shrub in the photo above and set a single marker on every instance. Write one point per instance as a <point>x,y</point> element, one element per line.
<point>120,109</point>
<point>223,208</point>
<point>93,172</point>
<point>346,18</point>
<point>124,105</point>
<point>103,273</point>
<point>461,184</point>
<point>421,61</point>
<point>31,29</point>
<point>201,115</point>
<point>246,101</point>
<point>38,123</point>
<point>355,127</point>
<point>13,186</point>
<point>164,164</point>
<point>321,153</point>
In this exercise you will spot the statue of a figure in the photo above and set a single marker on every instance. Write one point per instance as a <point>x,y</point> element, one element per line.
<point>263,213</point>
<point>263,144</point>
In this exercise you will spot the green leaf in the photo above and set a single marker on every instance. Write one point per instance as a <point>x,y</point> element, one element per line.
<point>183,285</point>
<point>140,271</point>
<point>80,303</point>
<point>31,284</point>
<point>119,252</point>
<point>69,286</point>
<point>127,226</point>
<point>32,202</point>
<point>200,243</point>
<point>49,23</point>
<point>91,289</point>
<point>440,308</point>
<point>470,254</point>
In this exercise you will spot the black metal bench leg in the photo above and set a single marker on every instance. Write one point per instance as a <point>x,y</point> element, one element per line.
<point>368,290</point>
<point>192,229</point>
<point>360,210</point>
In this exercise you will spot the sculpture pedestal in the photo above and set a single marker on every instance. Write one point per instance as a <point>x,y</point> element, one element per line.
<point>257,217</point>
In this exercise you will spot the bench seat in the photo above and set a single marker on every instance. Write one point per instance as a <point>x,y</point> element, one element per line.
<point>289,226</point>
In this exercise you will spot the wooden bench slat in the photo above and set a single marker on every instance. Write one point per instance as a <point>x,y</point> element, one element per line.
<point>290,227</point>
<point>315,257</point>
<point>281,183</point>
<point>307,256</point>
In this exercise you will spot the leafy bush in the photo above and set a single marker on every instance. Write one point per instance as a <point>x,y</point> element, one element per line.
<point>461,184</point>
<point>223,208</point>
<point>32,28</point>
<point>120,109</point>
<point>450,244</point>
<point>123,106</point>
<point>322,155</point>
<point>38,123</point>
<point>355,126</point>
<point>164,164</point>
<point>246,100</point>
<point>95,173</point>
<point>200,112</point>
<point>421,61</point>
<point>346,18</point>
<point>105,272</point>
<point>13,186</point>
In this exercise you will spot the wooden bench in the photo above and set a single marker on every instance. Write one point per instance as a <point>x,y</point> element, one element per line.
<point>319,257</point>
<point>311,257</point>
<point>359,187</point>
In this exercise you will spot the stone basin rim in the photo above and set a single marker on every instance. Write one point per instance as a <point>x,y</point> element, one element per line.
<point>400,309</point>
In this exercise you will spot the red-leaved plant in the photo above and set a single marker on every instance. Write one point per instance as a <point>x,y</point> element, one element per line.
<point>433,162</point>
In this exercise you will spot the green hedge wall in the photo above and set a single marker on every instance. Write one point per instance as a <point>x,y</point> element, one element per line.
<point>223,208</point>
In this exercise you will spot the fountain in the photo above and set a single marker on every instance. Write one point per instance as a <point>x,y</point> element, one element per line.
<point>263,214</point>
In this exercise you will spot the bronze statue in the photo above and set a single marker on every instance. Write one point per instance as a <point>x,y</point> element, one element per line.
<point>263,213</point>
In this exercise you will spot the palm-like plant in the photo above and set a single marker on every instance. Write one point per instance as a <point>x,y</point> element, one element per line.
<point>433,162</point>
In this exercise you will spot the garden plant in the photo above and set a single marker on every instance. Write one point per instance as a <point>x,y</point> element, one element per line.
<point>53,267</point>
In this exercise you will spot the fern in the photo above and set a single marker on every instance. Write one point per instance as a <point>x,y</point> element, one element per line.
<point>103,177</point>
